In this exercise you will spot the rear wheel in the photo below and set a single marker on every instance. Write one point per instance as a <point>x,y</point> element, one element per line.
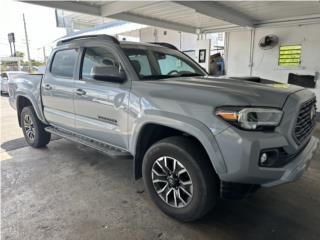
<point>179,178</point>
<point>33,129</point>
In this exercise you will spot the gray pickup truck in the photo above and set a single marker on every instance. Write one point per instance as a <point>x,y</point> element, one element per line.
<point>193,138</point>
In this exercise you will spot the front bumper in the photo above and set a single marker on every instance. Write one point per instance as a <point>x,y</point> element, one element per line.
<point>295,169</point>
<point>243,161</point>
<point>241,150</point>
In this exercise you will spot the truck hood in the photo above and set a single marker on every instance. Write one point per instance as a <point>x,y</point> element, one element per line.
<point>223,91</point>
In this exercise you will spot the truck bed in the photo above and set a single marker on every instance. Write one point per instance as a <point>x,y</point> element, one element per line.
<point>29,86</point>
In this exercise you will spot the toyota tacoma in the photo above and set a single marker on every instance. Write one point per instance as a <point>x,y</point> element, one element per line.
<point>193,138</point>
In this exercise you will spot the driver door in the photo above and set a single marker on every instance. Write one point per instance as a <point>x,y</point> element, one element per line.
<point>101,105</point>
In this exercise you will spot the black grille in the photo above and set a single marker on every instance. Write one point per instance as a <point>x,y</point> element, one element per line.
<point>305,121</point>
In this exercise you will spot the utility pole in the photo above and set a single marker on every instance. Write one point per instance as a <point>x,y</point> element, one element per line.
<point>27,42</point>
<point>10,49</point>
<point>14,49</point>
<point>44,54</point>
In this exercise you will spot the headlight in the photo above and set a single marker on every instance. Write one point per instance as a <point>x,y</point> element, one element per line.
<point>251,118</point>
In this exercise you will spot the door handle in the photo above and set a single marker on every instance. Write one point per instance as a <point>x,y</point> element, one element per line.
<point>80,92</point>
<point>47,87</point>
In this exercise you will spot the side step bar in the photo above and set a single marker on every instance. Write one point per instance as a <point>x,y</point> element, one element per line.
<point>112,151</point>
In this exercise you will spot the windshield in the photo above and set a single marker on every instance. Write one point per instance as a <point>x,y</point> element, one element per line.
<point>157,63</point>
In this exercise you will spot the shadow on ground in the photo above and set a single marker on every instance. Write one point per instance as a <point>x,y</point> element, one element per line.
<point>20,143</point>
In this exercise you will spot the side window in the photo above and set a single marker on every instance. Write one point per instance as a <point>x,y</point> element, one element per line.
<point>96,56</point>
<point>139,60</point>
<point>141,64</point>
<point>169,63</point>
<point>64,62</point>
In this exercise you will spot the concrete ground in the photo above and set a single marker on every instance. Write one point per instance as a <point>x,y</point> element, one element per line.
<point>68,191</point>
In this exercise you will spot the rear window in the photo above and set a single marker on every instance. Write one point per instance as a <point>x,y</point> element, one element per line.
<point>64,62</point>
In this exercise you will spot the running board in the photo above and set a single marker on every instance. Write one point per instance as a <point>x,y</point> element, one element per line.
<point>112,151</point>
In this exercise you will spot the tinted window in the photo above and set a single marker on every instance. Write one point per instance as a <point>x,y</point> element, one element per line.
<point>64,62</point>
<point>171,64</point>
<point>139,60</point>
<point>96,57</point>
<point>162,63</point>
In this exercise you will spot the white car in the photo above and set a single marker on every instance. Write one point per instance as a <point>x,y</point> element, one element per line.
<point>6,76</point>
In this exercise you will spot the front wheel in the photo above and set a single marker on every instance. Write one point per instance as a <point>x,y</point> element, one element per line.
<point>179,178</point>
<point>33,129</point>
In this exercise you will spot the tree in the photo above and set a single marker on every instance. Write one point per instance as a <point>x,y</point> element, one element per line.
<point>19,54</point>
<point>37,63</point>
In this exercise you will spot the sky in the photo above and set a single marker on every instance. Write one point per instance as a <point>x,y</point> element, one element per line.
<point>41,26</point>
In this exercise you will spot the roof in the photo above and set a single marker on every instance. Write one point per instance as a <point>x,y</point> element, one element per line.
<point>114,40</point>
<point>81,37</point>
<point>192,16</point>
<point>151,44</point>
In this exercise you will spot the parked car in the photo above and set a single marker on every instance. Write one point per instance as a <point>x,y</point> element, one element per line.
<point>193,138</point>
<point>6,76</point>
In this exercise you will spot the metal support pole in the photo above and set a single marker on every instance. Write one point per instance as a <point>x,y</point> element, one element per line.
<point>252,41</point>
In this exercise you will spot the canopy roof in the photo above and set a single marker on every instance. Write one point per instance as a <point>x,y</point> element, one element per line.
<point>196,17</point>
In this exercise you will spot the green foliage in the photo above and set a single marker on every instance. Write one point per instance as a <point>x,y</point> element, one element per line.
<point>37,63</point>
<point>19,54</point>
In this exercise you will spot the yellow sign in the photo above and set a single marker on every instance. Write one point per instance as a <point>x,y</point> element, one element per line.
<point>290,55</point>
<point>290,47</point>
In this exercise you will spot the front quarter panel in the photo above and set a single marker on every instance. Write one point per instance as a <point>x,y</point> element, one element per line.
<point>148,107</point>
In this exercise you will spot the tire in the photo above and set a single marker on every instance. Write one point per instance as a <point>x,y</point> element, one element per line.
<point>204,181</point>
<point>33,129</point>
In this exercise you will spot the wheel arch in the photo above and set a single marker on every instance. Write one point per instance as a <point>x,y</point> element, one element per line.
<point>25,101</point>
<point>142,138</point>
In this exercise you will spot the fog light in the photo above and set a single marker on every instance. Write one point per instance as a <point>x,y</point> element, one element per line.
<point>269,157</point>
<point>263,158</point>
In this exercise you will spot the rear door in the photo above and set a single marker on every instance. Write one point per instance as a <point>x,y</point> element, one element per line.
<point>58,88</point>
<point>101,107</point>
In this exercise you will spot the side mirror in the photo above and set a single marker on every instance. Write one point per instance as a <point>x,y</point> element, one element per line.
<point>108,73</point>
